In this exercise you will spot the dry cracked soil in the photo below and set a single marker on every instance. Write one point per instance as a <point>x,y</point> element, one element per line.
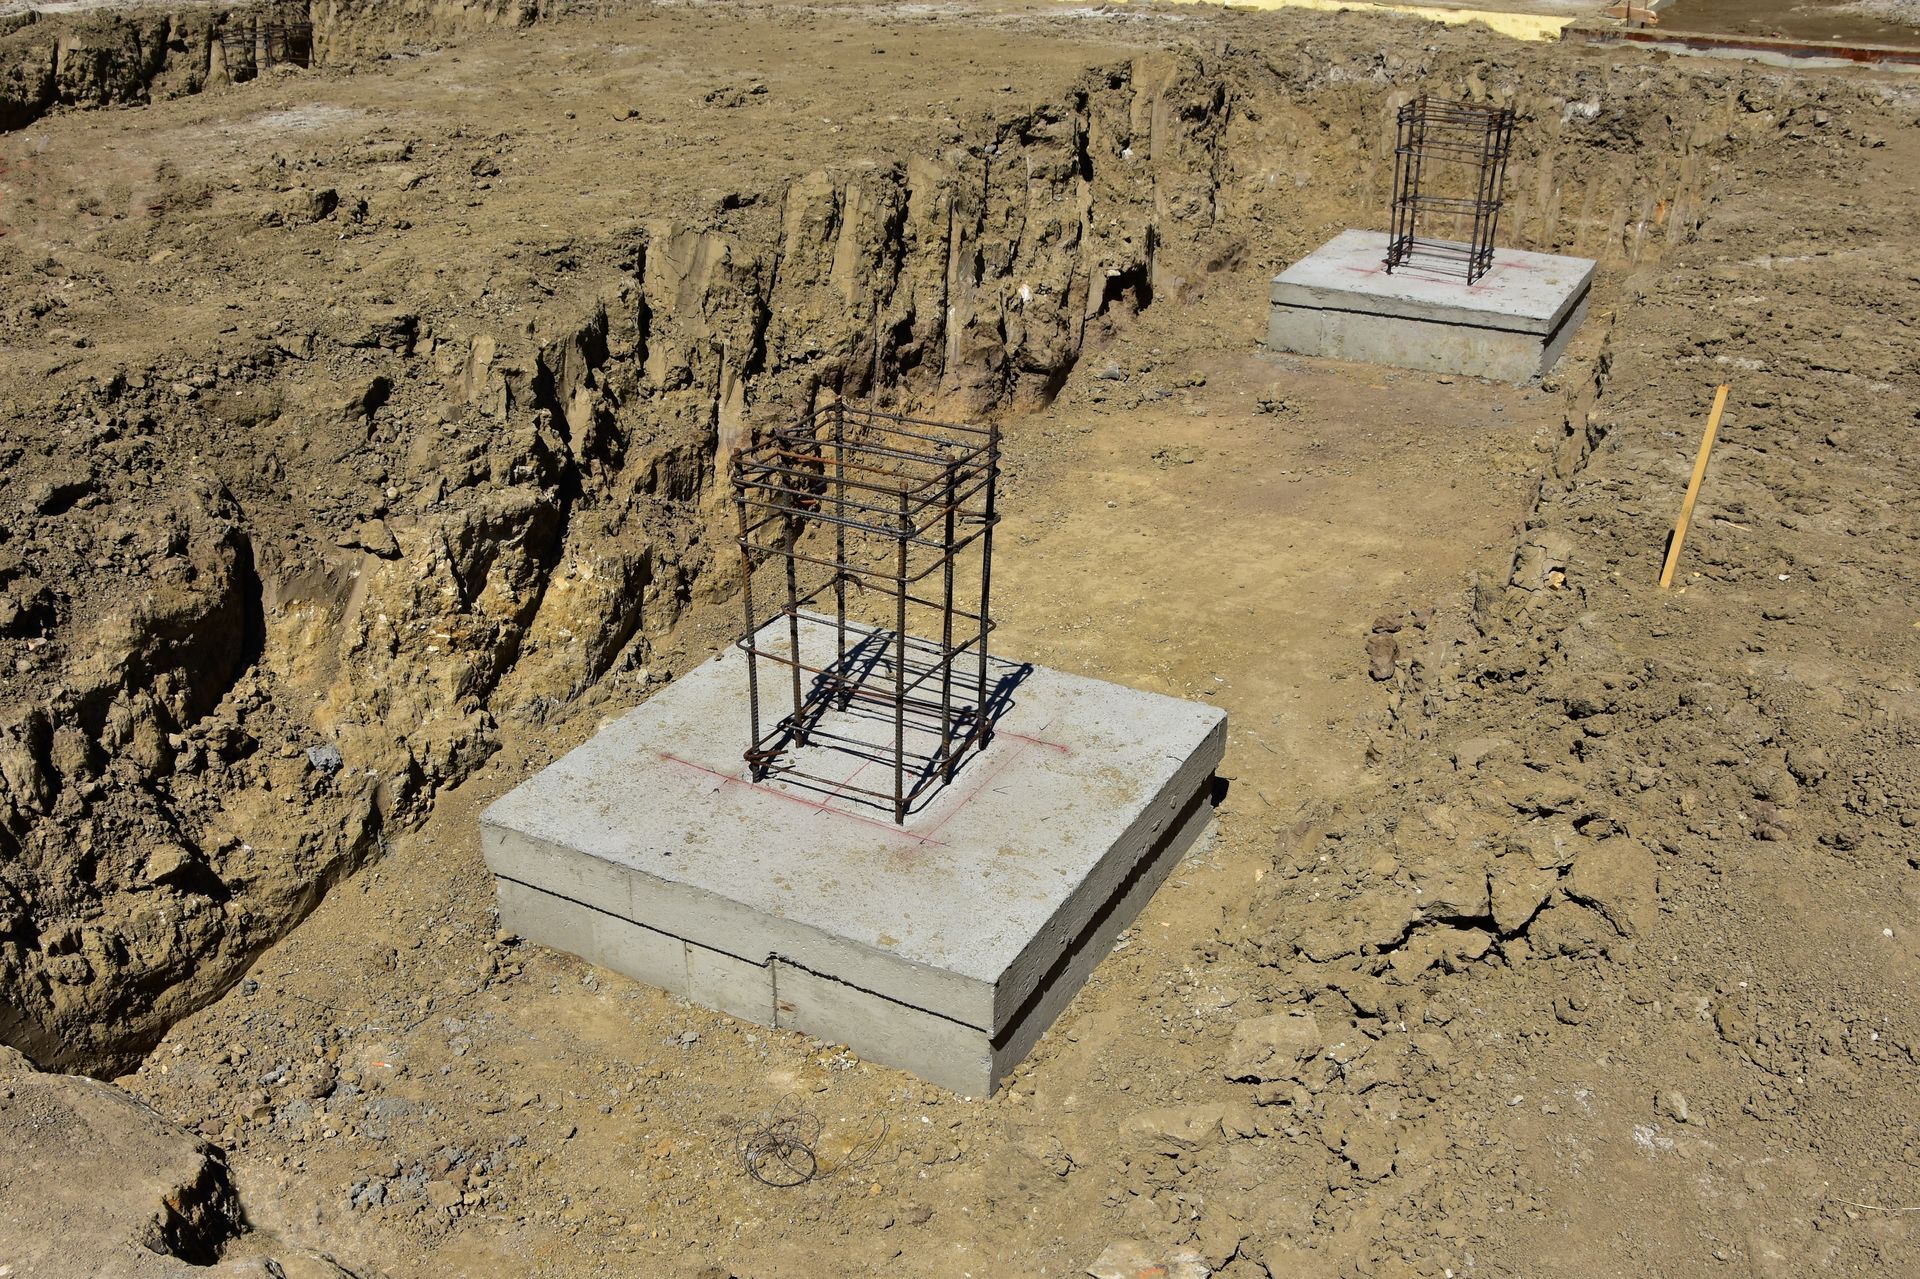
<point>366,399</point>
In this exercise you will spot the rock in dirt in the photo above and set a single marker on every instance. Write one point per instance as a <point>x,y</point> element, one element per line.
<point>1382,652</point>
<point>1266,1049</point>
<point>1673,1105</point>
<point>1131,1259</point>
<point>1447,946</point>
<point>96,1183</point>
<point>168,862</point>
<point>1451,886</point>
<point>90,1173</point>
<point>1518,888</point>
<point>303,205</point>
<point>375,538</point>
<point>1541,561</point>
<point>1617,877</point>
<point>1196,1125</point>
<point>359,400</point>
<point>325,758</point>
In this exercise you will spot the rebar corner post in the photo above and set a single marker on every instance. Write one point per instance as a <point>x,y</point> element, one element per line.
<point>746,605</point>
<point>900,664</point>
<point>1400,232</point>
<point>989,516</point>
<point>1503,150</point>
<point>840,535</point>
<point>947,551</point>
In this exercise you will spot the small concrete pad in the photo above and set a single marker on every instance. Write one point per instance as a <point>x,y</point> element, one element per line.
<point>1511,324</point>
<point>945,946</point>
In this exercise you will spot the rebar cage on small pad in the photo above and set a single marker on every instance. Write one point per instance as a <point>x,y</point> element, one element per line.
<point>1449,165</point>
<point>880,530</point>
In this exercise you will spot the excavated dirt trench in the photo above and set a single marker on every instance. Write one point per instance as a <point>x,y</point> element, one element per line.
<point>375,538</point>
<point>366,437</point>
<point>361,536</point>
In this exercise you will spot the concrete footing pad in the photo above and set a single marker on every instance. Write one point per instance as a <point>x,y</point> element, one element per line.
<point>1510,325</point>
<point>945,947</point>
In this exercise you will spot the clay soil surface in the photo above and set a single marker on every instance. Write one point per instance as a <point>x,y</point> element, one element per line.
<point>1552,925</point>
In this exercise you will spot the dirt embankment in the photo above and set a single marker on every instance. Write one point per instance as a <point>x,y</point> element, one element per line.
<point>126,55</point>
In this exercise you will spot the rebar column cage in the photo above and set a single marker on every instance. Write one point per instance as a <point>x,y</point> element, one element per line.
<point>253,44</point>
<point>1444,150</point>
<point>879,529</point>
<point>286,42</point>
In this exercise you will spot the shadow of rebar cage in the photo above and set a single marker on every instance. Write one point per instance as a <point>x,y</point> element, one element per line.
<point>879,529</point>
<point>1442,151</point>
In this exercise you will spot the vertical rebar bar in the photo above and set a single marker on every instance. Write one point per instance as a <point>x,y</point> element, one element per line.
<point>746,600</point>
<point>900,665</point>
<point>1479,206</point>
<point>946,626</point>
<point>1417,156</point>
<point>982,721</point>
<point>840,537</point>
<point>1502,151</point>
<point>791,531</point>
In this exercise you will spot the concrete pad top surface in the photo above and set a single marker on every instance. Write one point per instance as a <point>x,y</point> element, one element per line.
<point>1016,846</point>
<point>1522,291</point>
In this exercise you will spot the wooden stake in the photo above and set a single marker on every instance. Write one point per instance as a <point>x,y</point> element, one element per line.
<point>1693,486</point>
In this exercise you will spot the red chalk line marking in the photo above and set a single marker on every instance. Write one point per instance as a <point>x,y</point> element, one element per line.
<point>822,806</point>
<point>816,805</point>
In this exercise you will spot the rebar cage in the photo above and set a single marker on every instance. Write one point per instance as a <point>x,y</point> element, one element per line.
<point>1443,150</point>
<point>879,529</point>
<point>265,40</point>
<point>287,42</point>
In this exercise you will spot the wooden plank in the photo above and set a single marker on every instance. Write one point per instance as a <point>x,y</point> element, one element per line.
<point>1693,486</point>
